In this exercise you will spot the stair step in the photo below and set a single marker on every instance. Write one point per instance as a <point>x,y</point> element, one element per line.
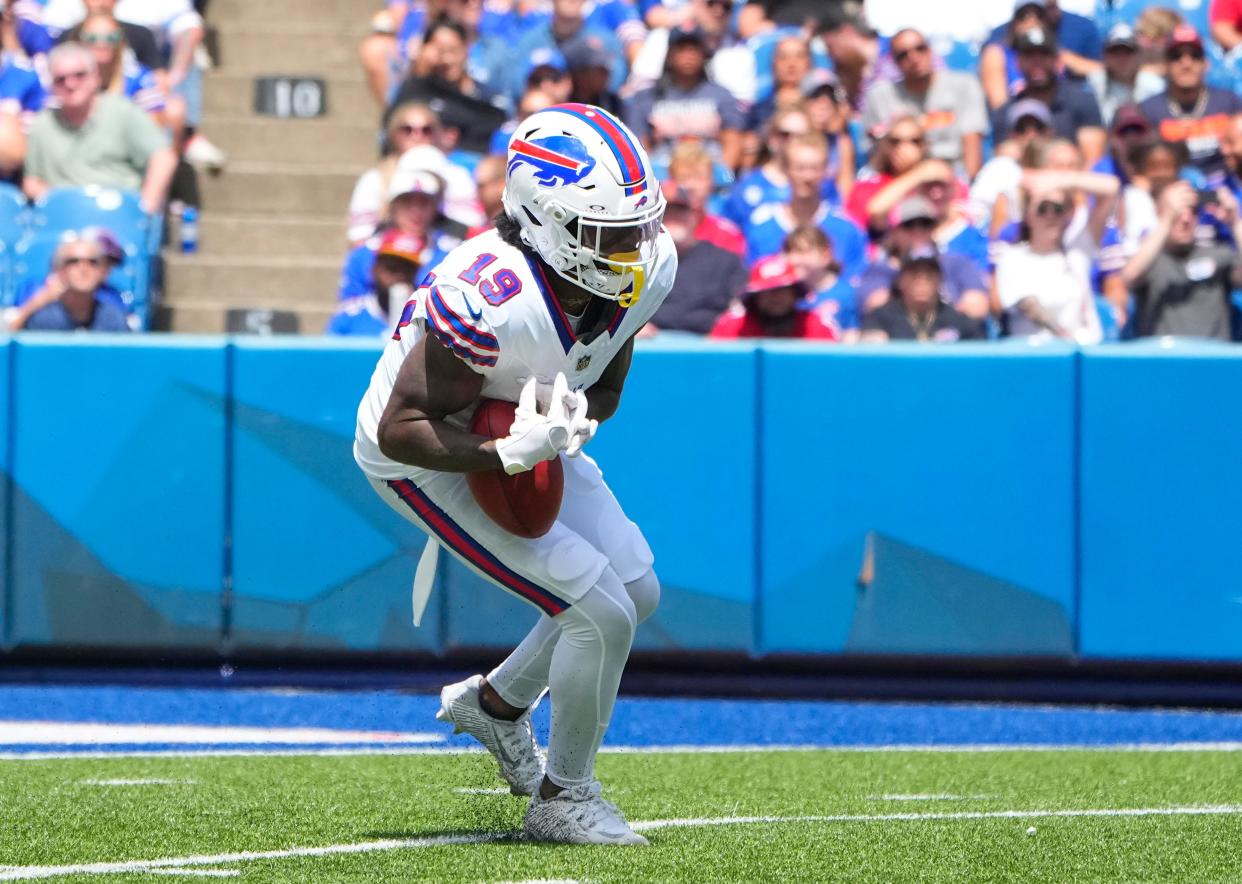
<point>272,235</point>
<point>249,188</point>
<point>211,317</point>
<point>349,100</point>
<point>292,141</point>
<point>249,281</point>
<point>289,49</point>
<point>344,12</point>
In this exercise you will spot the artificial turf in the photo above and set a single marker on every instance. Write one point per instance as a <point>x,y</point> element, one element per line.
<point>57,812</point>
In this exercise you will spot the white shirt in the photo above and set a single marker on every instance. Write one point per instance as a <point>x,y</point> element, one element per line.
<point>507,326</point>
<point>168,18</point>
<point>1059,281</point>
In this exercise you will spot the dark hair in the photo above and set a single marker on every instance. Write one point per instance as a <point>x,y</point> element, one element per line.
<point>508,230</point>
<point>1141,154</point>
<point>443,21</point>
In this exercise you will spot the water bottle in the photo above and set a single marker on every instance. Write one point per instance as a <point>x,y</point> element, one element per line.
<point>189,230</point>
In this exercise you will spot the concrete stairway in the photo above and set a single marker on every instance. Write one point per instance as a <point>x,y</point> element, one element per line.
<point>272,229</point>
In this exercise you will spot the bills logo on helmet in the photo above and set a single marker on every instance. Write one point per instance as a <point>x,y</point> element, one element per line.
<point>557,159</point>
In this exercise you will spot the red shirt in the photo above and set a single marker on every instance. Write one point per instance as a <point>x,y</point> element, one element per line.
<point>1229,11</point>
<point>856,205</point>
<point>741,323</point>
<point>721,232</point>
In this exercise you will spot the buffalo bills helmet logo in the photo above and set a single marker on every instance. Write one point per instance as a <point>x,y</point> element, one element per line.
<point>557,159</point>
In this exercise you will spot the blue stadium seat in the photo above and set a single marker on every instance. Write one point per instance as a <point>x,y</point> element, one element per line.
<point>14,217</point>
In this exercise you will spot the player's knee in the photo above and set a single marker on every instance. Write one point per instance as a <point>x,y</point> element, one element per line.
<point>645,594</point>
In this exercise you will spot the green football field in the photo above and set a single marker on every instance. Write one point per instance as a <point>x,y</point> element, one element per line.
<point>806,815</point>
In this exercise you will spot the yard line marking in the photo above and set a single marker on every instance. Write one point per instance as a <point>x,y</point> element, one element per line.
<point>92,733</point>
<point>679,748</point>
<point>149,782</point>
<point>498,791</point>
<point>30,873</point>
<point>923,797</point>
<point>198,873</point>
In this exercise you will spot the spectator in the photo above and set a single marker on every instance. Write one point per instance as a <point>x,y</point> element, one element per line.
<point>732,63</point>
<point>791,65</point>
<point>829,112</point>
<point>62,16</point>
<point>1231,152</point>
<point>899,147</point>
<point>442,57</point>
<point>121,72</point>
<point>21,93</point>
<point>686,104</point>
<point>758,16</point>
<point>1154,28</point>
<point>12,148</point>
<point>590,71</point>
<point>1121,80</point>
<point>378,52</point>
<point>1043,281</point>
<point>769,182</point>
<point>1190,111</point>
<point>415,201</point>
<point>1075,113</point>
<point>1049,153</point>
<point>1026,122</point>
<point>412,127</point>
<point>1129,129</point>
<point>489,178</point>
<point>708,277</point>
<point>916,309</point>
<point>1076,35</point>
<point>1226,19</point>
<point>856,56</point>
<point>829,294</point>
<point>774,306</point>
<point>948,104</point>
<point>1182,286</point>
<point>690,168</point>
<point>532,101</point>
<point>567,23</point>
<point>95,138</point>
<point>998,60</point>
<point>914,223</point>
<point>70,300</point>
<point>769,224</point>
<point>488,49</point>
<point>392,283</point>
<point>547,70</point>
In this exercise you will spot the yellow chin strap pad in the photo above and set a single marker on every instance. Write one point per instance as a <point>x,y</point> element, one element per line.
<point>637,275</point>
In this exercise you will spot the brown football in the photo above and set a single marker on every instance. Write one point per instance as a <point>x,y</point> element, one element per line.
<point>525,504</point>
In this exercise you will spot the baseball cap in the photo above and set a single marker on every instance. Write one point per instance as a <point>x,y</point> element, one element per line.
<point>108,244</point>
<point>1121,34</point>
<point>1036,40</point>
<point>914,208</point>
<point>822,82</point>
<point>1184,35</point>
<point>586,52</point>
<point>1130,115</point>
<point>545,57</point>
<point>687,32</point>
<point>1028,107</point>
<point>414,181</point>
<point>773,272</point>
<point>922,256</point>
<point>400,244</point>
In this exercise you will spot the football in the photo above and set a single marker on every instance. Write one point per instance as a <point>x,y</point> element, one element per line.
<point>525,504</point>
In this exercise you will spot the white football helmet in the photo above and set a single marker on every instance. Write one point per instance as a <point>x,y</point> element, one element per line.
<point>580,187</point>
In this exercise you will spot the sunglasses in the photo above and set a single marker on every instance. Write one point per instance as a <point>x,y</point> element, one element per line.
<point>920,49</point>
<point>75,261</point>
<point>408,130</point>
<point>785,133</point>
<point>1048,208</point>
<point>918,224</point>
<point>726,5</point>
<point>1179,54</point>
<point>68,77</point>
<point>111,39</point>
<point>917,141</point>
<point>1135,131</point>
<point>1030,126</point>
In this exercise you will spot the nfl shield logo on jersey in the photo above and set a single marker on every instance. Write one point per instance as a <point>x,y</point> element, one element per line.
<point>583,363</point>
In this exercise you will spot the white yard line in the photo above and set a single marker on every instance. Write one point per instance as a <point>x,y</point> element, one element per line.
<point>89,733</point>
<point>499,791</point>
<point>48,755</point>
<point>196,873</point>
<point>30,873</point>
<point>148,782</point>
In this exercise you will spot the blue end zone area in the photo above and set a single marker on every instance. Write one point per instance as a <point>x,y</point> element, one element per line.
<point>392,720</point>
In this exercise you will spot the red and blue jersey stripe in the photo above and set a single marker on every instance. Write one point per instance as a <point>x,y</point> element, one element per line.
<point>617,139</point>
<point>452,536</point>
<point>464,339</point>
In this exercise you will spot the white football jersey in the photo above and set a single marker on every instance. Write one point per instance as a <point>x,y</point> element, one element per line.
<point>490,303</point>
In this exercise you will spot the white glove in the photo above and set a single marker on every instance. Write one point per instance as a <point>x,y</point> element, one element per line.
<point>536,437</point>
<point>581,428</point>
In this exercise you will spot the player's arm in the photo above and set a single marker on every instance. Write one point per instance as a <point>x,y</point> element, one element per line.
<point>432,384</point>
<point>604,395</point>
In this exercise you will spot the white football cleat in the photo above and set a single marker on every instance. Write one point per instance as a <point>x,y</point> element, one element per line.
<point>512,743</point>
<point>578,816</point>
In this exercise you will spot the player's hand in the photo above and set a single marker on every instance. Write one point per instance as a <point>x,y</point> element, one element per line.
<point>536,437</point>
<point>581,428</point>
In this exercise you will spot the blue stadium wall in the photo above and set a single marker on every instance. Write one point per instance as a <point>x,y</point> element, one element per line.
<point>199,494</point>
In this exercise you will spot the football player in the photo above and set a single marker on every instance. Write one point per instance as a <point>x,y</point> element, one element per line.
<point>542,311</point>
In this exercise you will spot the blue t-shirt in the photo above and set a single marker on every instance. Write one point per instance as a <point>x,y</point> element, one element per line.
<point>959,274</point>
<point>540,37</point>
<point>141,87</point>
<point>20,89</point>
<point>969,243</point>
<point>359,317</point>
<point>839,302</point>
<point>360,263</point>
<point>755,188</point>
<point>1076,33</point>
<point>108,318</point>
<point>768,226</point>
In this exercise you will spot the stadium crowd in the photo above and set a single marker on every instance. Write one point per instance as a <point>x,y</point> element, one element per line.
<point>890,170</point>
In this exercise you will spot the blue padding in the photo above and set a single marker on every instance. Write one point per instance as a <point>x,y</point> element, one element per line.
<point>1162,502</point>
<point>320,561</point>
<point>118,512</point>
<point>917,502</point>
<point>679,457</point>
<point>6,587</point>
